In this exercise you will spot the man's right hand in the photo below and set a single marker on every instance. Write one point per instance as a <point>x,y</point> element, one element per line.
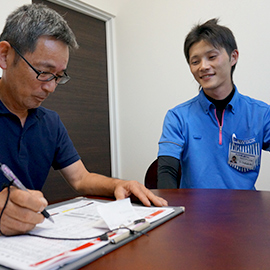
<point>22,211</point>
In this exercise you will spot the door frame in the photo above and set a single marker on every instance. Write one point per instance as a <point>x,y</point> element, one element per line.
<point>111,70</point>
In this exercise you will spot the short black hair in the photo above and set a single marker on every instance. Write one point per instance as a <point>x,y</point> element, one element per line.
<point>214,34</point>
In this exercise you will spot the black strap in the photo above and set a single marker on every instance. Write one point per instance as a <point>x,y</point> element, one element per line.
<point>5,205</point>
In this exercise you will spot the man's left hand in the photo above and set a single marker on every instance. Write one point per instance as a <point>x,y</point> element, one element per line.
<point>124,189</point>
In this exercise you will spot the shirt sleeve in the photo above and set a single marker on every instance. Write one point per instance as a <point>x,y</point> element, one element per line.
<point>65,153</point>
<point>168,172</point>
<point>266,140</point>
<point>172,140</point>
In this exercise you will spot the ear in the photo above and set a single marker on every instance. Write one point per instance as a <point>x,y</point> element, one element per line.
<point>5,50</point>
<point>234,57</point>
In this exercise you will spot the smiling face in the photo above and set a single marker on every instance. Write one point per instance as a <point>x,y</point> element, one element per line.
<point>20,89</point>
<point>211,67</point>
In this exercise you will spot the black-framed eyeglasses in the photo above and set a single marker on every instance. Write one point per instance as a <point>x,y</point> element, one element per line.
<point>45,76</point>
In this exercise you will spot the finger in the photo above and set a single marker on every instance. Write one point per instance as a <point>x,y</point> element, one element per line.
<point>11,226</point>
<point>160,201</point>
<point>32,199</point>
<point>17,218</point>
<point>126,188</point>
<point>22,214</point>
<point>145,195</point>
<point>121,193</point>
<point>18,222</point>
<point>151,197</point>
<point>140,194</point>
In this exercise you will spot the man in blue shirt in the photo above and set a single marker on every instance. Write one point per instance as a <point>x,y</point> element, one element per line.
<point>34,53</point>
<point>216,137</point>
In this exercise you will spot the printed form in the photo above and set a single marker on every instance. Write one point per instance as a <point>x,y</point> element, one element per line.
<point>83,218</point>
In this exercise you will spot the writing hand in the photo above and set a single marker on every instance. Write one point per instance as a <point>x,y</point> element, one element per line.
<point>22,211</point>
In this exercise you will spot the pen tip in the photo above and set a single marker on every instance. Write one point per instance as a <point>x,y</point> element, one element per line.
<point>51,220</point>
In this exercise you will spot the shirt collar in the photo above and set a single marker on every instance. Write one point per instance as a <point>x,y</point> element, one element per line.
<point>3,109</point>
<point>206,104</point>
<point>234,100</point>
<point>33,112</point>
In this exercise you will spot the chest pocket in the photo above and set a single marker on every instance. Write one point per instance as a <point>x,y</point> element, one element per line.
<point>244,155</point>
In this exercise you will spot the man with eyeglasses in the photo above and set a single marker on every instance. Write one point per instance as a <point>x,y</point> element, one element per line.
<point>34,53</point>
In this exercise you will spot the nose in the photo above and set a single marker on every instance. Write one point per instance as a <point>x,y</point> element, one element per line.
<point>49,86</point>
<point>204,65</point>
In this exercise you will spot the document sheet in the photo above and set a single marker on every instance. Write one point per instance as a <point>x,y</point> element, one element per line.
<point>76,220</point>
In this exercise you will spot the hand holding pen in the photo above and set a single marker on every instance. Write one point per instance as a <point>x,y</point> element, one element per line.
<point>20,214</point>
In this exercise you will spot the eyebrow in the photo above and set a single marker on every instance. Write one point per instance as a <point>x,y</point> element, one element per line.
<point>46,64</point>
<point>210,51</point>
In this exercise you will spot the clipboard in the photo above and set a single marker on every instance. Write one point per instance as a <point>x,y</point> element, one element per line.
<point>111,247</point>
<point>94,255</point>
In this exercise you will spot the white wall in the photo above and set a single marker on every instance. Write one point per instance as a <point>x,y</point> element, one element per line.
<point>153,75</point>
<point>6,8</point>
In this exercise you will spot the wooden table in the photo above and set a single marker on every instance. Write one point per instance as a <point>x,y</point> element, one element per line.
<point>221,229</point>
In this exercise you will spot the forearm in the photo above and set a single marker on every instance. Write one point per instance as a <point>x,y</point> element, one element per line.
<point>96,184</point>
<point>87,183</point>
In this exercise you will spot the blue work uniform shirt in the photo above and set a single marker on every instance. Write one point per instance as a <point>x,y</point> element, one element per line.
<point>30,151</point>
<point>193,134</point>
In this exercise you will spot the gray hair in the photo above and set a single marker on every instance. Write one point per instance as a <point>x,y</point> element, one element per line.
<point>29,22</point>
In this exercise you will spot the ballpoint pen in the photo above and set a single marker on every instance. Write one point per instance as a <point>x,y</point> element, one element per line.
<point>18,184</point>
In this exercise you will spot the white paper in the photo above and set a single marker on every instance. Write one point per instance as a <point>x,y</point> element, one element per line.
<point>118,213</point>
<point>73,220</point>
